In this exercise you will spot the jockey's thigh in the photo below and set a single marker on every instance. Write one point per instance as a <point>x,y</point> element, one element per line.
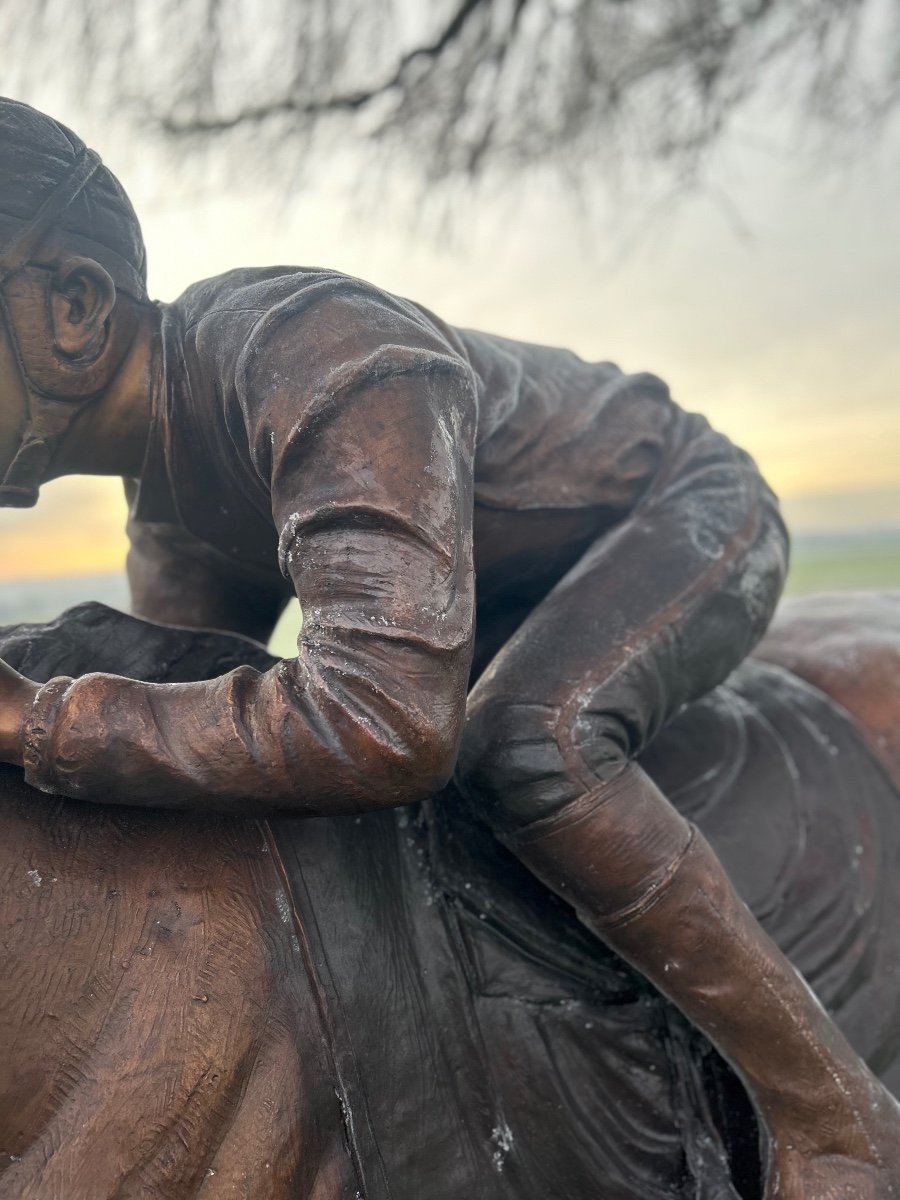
<point>655,613</point>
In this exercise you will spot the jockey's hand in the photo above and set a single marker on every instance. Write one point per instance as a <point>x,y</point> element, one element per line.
<point>16,697</point>
<point>851,1156</point>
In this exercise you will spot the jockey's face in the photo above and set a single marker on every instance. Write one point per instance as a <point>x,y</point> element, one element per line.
<point>13,404</point>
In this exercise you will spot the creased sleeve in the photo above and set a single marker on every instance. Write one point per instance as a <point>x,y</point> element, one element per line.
<point>361,417</point>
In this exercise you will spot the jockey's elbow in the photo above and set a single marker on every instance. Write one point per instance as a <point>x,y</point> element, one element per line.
<point>381,766</point>
<point>438,761</point>
<point>408,762</point>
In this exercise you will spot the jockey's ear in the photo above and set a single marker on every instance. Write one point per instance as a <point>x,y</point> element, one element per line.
<point>82,298</point>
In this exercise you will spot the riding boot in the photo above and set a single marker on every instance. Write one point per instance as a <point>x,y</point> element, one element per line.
<point>648,882</point>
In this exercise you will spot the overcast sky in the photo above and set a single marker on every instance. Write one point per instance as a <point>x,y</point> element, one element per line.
<point>772,304</point>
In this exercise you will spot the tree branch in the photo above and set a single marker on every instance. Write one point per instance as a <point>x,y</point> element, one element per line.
<point>348,102</point>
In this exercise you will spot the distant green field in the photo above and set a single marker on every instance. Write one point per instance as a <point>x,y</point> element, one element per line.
<point>821,562</point>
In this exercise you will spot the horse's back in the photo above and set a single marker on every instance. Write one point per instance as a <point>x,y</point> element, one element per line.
<point>847,644</point>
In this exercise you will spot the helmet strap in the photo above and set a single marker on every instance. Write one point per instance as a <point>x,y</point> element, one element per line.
<point>48,419</point>
<point>47,424</point>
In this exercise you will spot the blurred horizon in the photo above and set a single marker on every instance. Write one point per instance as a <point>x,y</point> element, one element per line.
<point>103,552</point>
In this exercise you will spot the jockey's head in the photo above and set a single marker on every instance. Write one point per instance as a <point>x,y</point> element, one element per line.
<point>72,284</point>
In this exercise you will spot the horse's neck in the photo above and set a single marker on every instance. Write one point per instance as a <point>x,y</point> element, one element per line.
<point>157,1019</point>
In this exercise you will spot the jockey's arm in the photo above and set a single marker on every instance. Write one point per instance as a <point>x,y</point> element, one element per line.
<point>370,472</point>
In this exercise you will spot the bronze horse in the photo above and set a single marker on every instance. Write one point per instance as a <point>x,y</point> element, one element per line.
<point>389,1006</point>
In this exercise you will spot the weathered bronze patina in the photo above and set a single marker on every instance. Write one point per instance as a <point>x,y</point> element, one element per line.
<point>515,569</point>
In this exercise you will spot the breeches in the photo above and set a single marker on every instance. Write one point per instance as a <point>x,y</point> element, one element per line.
<point>656,612</point>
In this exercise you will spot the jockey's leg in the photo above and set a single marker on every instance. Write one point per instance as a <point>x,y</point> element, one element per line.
<point>655,614</point>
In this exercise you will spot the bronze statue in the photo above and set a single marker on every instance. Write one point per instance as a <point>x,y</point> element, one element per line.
<point>290,431</point>
<point>388,1004</point>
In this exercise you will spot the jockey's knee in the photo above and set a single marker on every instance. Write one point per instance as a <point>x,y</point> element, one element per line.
<point>523,761</point>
